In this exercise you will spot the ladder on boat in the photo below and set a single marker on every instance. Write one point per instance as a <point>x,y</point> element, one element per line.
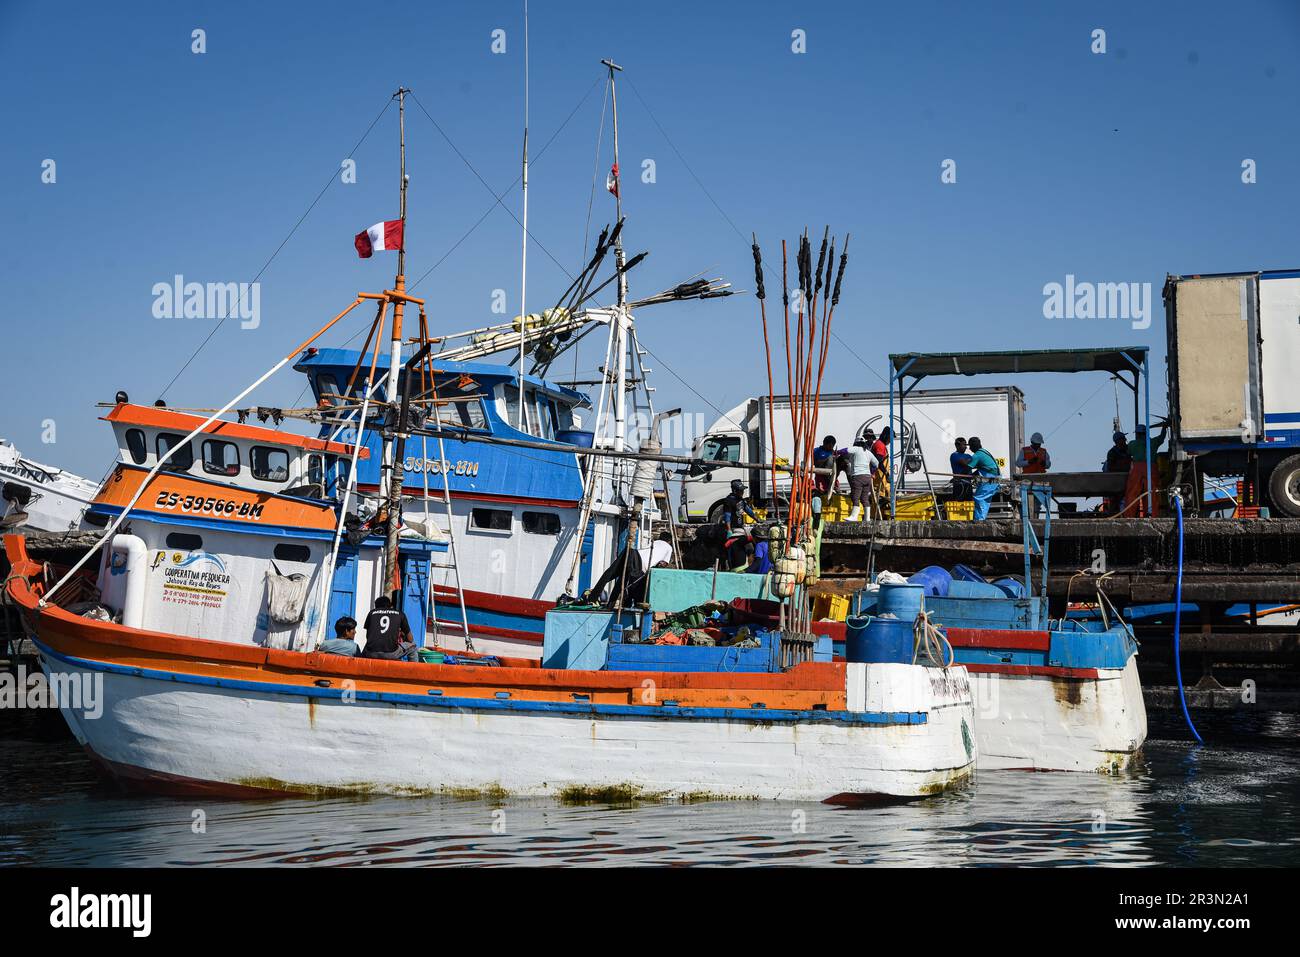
<point>453,563</point>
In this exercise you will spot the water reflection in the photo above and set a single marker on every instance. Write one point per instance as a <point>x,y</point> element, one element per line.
<point>1235,802</point>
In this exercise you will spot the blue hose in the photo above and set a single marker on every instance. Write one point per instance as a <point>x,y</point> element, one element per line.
<point>1178,621</point>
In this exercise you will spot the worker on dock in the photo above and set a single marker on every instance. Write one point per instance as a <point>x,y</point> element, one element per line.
<point>880,449</point>
<point>959,462</point>
<point>1034,460</point>
<point>735,507</point>
<point>1117,460</point>
<point>827,456</point>
<point>985,473</point>
<point>862,476</point>
<point>1139,501</point>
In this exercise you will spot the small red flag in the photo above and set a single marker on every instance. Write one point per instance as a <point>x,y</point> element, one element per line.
<point>611,181</point>
<point>381,237</point>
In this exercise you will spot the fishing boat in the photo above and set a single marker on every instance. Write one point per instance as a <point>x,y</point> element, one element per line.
<point>228,549</point>
<point>1051,694</point>
<point>40,497</point>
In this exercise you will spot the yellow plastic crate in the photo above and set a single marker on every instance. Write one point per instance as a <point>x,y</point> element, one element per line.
<point>914,508</point>
<point>959,511</point>
<point>830,607</point>
<point>836,508</point>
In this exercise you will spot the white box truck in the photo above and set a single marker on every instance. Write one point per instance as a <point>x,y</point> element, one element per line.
<point>1234,392</point>
<point>995,414</point>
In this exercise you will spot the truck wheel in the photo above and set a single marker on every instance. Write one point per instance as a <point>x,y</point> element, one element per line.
<point>1284,486</point>
<point>715,514</point>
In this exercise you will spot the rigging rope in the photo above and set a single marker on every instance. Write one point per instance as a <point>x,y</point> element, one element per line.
<point>333,175</point>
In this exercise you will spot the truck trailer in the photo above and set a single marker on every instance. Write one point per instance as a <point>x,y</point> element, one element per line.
<point>1234,393</point>
<point>938,416</point>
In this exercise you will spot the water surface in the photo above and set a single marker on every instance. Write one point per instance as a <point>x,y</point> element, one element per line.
<point>1232,803</point>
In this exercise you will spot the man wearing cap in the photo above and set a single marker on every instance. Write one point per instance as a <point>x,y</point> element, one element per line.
<point>1034,460</point>
<point>985,473</point>
<point>734,505</point>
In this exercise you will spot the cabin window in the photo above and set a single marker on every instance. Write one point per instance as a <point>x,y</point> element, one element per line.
<point>491,519</point>
<point>137,446</point>
<point>541,523</point>
<point>341,466</point>
<point>327,388</point>
<point>511,395</point>
<point>220,458</point>
<point>316,470</point>
<point>184,541</point>
<point>269,465</point>
<point>292,553</point>
<point>468,414</point>
<point>550,422</point>
<point>184,457</point>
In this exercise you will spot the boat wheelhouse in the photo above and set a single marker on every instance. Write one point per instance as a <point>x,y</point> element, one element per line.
<point>227,539</point>
<point>516,513</point>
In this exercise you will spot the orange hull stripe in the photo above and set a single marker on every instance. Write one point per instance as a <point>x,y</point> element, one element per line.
<point>168,493</point>
<point>808,684</point>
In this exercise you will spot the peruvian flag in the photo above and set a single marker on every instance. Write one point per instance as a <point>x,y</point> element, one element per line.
<point>611,181</point>
<point>379,238</point>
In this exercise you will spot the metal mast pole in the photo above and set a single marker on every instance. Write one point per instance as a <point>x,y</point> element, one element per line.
<point>620,347</point>
<point>522,424</point>
<point>392,486</point>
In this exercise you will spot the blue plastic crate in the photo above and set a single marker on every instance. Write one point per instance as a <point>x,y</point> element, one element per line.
<point>647,657</point>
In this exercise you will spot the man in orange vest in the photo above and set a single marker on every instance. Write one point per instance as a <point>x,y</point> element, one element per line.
<point>1034,460</point>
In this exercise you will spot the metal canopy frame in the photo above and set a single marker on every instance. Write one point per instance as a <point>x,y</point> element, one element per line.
<point>1115,361</point>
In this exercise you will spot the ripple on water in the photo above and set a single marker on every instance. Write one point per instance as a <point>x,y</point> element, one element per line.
<point>1234,802</point>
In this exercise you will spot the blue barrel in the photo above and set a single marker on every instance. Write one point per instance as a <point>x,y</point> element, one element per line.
<point>966,574</point>
<point>966,589</point>
<point>934,580</point>
<point>578,437</point>
<point>878,640</point>
<point>1013,587</point>
<point>901,601</point>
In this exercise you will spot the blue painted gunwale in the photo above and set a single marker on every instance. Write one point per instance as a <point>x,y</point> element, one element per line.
<point>440,702</point>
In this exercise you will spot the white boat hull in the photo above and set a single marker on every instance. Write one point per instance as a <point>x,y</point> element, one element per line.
<point>1045,723</point>
<point>198,736</point>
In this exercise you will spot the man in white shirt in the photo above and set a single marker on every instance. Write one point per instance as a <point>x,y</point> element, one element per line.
<point>861,466</point>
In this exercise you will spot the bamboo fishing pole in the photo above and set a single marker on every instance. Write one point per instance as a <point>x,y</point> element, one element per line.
<point>789,376</point>
<point>767,352</point>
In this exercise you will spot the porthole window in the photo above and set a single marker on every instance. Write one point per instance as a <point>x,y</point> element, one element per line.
<point>185,542</point>
<point>541,523</point>
<point>137,446</point>
<point>269,465</point>
<point>292,553</point>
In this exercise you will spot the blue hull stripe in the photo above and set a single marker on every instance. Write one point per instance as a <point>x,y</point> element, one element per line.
<point>488,705</point>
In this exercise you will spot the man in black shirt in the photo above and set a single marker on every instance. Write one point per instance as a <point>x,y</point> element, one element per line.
<point>388,633</point>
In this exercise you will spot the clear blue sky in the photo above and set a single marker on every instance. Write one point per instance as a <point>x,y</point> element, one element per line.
<point>1117,167</point>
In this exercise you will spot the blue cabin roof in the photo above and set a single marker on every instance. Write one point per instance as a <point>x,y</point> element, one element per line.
<point>345,360</point>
